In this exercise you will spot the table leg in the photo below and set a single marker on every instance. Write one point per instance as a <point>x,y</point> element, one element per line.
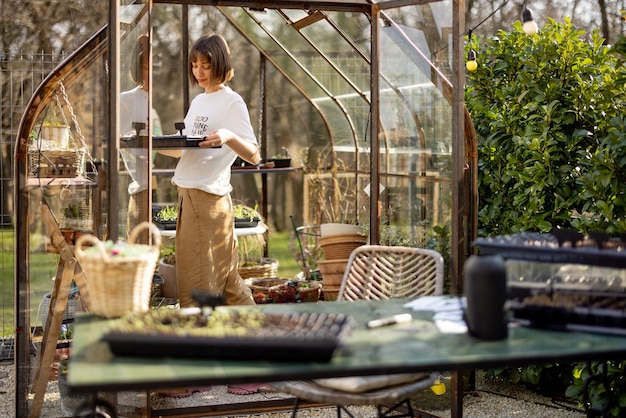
<point>456,397</point>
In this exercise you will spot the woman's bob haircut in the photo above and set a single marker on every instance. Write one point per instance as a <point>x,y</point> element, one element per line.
<point>214,50</point>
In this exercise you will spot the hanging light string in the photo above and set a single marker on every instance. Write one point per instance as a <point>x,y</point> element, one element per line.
<point>528,24</point>
<point>469,32</point>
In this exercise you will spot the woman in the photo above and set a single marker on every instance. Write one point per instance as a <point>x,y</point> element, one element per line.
<point>206,247</point>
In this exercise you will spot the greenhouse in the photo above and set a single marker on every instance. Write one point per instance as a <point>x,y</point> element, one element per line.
<point>362,98</point>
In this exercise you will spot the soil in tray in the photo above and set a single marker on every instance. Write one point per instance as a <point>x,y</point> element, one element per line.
<point>229,334</point>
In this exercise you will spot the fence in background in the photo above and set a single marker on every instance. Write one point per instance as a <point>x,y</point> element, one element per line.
<point>20,74</point>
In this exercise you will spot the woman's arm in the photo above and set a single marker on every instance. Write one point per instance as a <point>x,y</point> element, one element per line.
<point>244,149</point>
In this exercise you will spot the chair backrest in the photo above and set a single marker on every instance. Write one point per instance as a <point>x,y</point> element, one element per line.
<point>386,272</point>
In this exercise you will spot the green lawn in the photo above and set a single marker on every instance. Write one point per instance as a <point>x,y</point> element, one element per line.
<point>279,248</point>
<point>43,269</point>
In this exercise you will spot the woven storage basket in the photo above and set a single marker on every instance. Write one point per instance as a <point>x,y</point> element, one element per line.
<point>119,285</point>
<point>263,285</point>
<point>70,309</point>
<point>341,246</point>
<point>260,268</point>
<point>56,162</point>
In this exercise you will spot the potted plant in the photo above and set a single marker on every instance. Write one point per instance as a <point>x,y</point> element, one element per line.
<point>288,292</point>
<point>246,216</point>
<point>55,131</point>
<point>252,263</point>
<point>167,271</point>
<point>166,218</point>
<point>341,205</point>
<point>75,222</point>
<point>282,160</point>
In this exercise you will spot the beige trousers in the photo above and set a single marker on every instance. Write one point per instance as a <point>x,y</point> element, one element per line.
<point>206,248</point>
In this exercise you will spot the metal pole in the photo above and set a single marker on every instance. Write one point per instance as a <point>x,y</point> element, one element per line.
<point>374,232</point>
<point>113,134</point>
<point>458,167</point>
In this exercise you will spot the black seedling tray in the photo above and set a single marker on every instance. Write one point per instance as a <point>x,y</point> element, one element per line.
<point>246,222</point>
<point>545,248</point>
<point>282,338</point>
<point>162,142</point>
<point>165,225</point>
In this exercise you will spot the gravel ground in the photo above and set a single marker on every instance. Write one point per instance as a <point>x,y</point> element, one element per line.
<point>489,401</point>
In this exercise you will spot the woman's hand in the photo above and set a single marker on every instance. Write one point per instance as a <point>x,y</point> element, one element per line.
<point>216,138</point>
<point>244,149</point>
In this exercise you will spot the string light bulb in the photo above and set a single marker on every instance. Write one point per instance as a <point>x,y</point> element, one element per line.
<point>528,24</point>
<point>471,63</point>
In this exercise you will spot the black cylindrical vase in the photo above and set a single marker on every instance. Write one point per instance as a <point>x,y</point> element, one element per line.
<point>484,281</point>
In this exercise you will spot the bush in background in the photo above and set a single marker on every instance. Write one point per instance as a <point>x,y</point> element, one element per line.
<point>549,113</point>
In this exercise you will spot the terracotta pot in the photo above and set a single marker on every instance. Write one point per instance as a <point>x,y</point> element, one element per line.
<point>330,293</point>
<point>332,271</point>
<point>311,293</point>
<point>68,234</point>
<point>341,246</point>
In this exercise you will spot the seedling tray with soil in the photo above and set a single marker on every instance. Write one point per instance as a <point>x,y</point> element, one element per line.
<point>229,334</point>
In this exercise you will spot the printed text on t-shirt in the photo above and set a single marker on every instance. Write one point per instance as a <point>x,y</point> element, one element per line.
<point>200,125</point>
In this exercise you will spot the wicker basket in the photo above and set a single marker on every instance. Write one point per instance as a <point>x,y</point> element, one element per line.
<point>341,246</point>
<point>56,163</point>
<point>70,309</point>
<point>119,285</point>
<point>263,285</point>
<point>259,268</point>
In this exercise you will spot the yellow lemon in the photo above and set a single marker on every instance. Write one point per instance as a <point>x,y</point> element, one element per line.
<point>438,388</point>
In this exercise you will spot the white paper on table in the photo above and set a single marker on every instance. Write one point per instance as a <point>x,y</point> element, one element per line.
<point>451,327</point>
<point>447,312</point>
<point>435,303</point>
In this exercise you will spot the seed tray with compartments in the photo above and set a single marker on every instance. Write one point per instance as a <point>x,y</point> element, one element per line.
<point>231,335</point>
<point>564,279</point>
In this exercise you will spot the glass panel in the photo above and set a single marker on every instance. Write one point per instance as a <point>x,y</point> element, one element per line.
<point>415,122</point>
<point>134,121</point>
<point>64,165</point>
<point>298,59</point>
<point>335,78</point>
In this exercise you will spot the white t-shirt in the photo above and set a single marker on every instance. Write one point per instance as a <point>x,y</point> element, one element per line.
<point>209,169</point>
<point>134,108</point>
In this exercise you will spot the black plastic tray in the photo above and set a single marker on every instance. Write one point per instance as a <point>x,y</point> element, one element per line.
<point>606,321</point>
<point>545,248</point>
<point>284,338</point>
<point>162,142</point>
<point>246,222</point>
<point>166,225</point>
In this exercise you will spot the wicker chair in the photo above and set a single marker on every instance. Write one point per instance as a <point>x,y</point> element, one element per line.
<point>377,272</point>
